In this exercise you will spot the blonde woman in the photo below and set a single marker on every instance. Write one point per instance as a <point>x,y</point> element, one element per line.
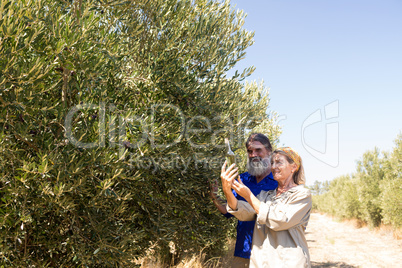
<point>281,215</point>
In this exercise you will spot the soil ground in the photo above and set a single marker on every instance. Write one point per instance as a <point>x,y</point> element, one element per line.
<point>341,244</point>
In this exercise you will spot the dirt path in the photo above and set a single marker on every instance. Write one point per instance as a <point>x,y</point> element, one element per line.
<point>340,244</point>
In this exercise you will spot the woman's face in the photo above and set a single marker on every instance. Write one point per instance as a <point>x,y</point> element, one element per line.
<point>281,168</point>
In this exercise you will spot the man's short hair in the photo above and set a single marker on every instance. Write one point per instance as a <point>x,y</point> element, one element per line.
<point>261,138</point>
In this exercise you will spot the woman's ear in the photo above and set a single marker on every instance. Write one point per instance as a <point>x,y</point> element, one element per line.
<point>294,167</point>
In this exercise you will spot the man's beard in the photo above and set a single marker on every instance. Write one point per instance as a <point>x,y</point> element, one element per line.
<point>260,167</point>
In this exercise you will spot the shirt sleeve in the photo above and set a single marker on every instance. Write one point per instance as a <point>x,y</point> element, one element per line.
<point>281,216</point>
<point>228,214</point>
<point>244,212</point>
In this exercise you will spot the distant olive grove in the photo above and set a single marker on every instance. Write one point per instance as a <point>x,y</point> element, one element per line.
<point>373,193</point>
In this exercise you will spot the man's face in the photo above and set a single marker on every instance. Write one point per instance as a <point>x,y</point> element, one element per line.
<point>259,159</point>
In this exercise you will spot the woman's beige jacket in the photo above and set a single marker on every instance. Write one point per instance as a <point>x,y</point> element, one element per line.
<point>278,238</point>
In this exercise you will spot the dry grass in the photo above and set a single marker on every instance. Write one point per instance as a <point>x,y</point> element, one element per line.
<point>355,223</point>
<point>195,261</point>
<point>383,229</point>
<point>397,234</point>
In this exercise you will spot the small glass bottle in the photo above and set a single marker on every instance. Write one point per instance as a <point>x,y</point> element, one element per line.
<point>230,156</point>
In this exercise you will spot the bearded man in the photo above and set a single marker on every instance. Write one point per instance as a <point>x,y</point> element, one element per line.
<point>258,178</point>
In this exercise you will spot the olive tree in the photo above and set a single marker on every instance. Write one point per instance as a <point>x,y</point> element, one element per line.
<point>112,120</point>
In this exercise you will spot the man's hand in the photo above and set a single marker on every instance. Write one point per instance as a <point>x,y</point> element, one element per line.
<point>214,187</point>
<point>218,202</point>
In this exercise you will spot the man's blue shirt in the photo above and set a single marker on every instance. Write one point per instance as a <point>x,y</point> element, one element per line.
<point>245,228</point>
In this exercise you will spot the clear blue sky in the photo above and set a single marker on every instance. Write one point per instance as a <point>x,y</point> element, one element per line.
<point>334,70</point>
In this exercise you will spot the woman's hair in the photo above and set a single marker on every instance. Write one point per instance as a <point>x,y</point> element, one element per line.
<point>260,138</point>
<point>298,176</point>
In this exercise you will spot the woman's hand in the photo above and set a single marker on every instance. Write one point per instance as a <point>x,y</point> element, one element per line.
<point>241,189</point>
<point>246,193</point>
<point>228,176</point>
